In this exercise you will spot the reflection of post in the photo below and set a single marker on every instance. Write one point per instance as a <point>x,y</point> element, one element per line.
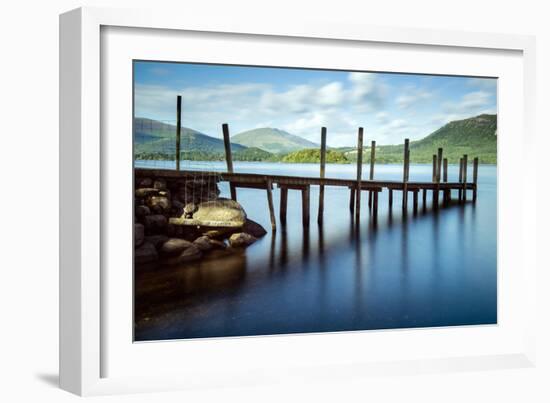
<point>322,174</point>
<point>371,172</point>
<point>228,158</point>
<point>460,170</point>
<point>305,206</point>
<point>351,199</point>
<point>284,201</point>
<point>359,173</point>
<point>406,155</point>
<point>178,132</point>
<point>465,178</point>
<point>474,194</point>
<point>446,193</point>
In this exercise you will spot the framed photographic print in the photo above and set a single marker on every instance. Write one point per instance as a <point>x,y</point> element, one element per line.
<point>245,200</point>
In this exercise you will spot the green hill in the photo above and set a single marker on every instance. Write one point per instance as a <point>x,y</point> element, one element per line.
<point>275,141</point>
<point>154,137</point>
<point>313,155</point>
<point>474,136</point>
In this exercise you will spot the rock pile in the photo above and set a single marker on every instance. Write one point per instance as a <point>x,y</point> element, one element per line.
<point>161,205</point>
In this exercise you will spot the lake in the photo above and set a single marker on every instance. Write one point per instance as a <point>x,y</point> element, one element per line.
<point>433,268</point>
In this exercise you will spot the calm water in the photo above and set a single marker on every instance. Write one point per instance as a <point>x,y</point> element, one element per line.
<point>429,269</point>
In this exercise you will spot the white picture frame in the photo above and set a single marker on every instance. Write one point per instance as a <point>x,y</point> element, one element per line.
<point>85,344</point>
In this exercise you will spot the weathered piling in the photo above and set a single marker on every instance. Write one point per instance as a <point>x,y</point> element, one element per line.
<point>439,161</point>
<point>415,201</point>
<point>406,156</point>
<point>178,132</point>
<point>228,158</point>
<point>322,174</point>
<point>371,171</point>
<point>446,192</point>
<point>359,173</point>
<point>474,192</point>
<point>434,164</point>
<point>269,187</point>
<point>439,164</point>
<point>465,178</point>
<point>390,198</point>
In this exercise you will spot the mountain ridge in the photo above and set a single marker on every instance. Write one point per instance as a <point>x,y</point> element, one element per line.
<point>275,141</point>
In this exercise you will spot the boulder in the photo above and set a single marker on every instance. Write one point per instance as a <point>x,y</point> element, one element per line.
<point>174,246</point>
<point>146,253</point>
<point>217,244</point>
<point>142,211</point>
<point>159,184</point>
<point>220,213</point>
<point>253,228</point>
<point>157,203</point>
<point>146,192</point>
<point>177,207</point>
<point>190,254</point>
<point>241,239</point>
<point>154,223</point>
<point>219,233</point>
<point>203,243</point>
<point>139,234</point>
<point>145,183</point>
<point>156,240</point>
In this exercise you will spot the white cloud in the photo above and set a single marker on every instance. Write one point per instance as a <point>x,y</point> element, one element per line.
<point>388,113</point>
<point>412,97</point>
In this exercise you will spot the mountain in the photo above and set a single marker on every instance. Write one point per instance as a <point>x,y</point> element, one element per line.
<point>152,136</point>
<point>272,140</point>
<point>474,136</point>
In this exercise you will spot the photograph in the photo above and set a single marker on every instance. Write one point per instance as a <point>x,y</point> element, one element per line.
<point>281,200</point>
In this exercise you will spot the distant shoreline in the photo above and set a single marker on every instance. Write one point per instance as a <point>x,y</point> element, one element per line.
<point>312,163</point>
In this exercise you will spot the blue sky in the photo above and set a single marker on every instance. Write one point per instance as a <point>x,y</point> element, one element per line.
<point>390,107</point>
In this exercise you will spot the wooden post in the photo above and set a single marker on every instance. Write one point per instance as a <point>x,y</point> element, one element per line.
<point>268,187</point>
<point>359,173</point>
<point>390,198</point>
<point>322,174</point>
<point>305,206</point>
<point>406,155</point>
<point>465,178</point>
<point>284,202</point>
<point>178,132</point>
<point>434,164</point>
<point>371,171</point>
<point>415,200</point>
<point>228,158</point>
<point>439,162</point>
<point>474,194</point>
<point>351,199</point>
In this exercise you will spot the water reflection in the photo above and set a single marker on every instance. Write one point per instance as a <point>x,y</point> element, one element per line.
<point>402,270</point>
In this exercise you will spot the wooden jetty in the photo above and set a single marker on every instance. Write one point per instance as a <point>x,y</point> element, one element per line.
<point>438,184</point>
